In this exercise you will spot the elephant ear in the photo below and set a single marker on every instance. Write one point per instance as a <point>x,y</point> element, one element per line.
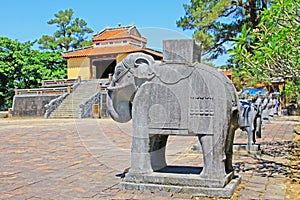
<point>142,67</point>
<point>140,61</point>
<point>134,59</point>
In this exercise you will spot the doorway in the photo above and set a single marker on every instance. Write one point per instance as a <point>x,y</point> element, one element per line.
<point>102,68</point>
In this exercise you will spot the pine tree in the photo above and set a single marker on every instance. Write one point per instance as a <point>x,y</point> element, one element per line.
<point>217,22</point>
<point>70,34</point>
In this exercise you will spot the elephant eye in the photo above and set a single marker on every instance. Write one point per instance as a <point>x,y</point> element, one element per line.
<point>118,72</point>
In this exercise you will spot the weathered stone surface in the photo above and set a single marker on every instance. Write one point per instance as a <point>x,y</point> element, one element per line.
<point>254,149</point>
<point>194,180</point>
<point>53,104</point>
<point>86,108</point>
<point>183,51</point>
<point>175,97</point>
<point>31,105</point>
<point>225,192</point>
<point>250,118</point>
<point>267,109</point>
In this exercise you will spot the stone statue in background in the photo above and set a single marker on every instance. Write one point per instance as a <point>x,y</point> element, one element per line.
<point>257,102</point>
<point>250,117</point>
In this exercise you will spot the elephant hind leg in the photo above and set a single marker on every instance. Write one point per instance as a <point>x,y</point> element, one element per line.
<point>229,150</point>
<point>253,137</point>
<point>213,157</point>
<point>254,130</point>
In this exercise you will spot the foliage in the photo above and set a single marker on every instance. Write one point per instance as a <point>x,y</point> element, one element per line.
<point>272,49</point>
<point>217,22</point>
<point>71,33</point>
<point>23,67</point>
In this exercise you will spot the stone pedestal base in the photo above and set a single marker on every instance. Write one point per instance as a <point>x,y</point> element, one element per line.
<point>182,183</point>
<point>254,149</point>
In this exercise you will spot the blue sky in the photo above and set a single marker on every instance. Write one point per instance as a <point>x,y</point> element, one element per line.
<point>156,19</point>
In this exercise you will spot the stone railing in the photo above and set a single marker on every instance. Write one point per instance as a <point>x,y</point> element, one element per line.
<point>53,104</point>
<point>86,109</point>
<point>60,86</point>
<point>60,82</point>
<point>53,90</point>
<point>41,91</point>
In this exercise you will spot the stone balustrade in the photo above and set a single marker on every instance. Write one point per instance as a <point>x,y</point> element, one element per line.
<point>41,91</point>
<point>60,82</point>
<point>59,86</point>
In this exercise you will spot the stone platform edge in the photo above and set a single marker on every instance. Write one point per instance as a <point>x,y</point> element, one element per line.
<point>225,192</point>
<point>254,149</point>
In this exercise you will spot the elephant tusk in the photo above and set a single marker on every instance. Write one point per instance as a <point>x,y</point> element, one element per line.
<point>113,89</point>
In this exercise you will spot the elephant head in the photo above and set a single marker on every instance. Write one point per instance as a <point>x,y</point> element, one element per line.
<point>129,74</point>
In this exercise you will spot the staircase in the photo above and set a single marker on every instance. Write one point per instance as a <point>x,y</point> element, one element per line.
<point>70,107</point>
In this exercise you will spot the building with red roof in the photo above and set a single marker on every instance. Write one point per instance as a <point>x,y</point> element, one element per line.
<point>109,47</point>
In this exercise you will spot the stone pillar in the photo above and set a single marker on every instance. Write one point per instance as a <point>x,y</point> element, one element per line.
<point>181,51</point>
<point>69,89</point>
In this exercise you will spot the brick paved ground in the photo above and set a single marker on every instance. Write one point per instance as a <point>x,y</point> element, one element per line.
<point>81,159</point>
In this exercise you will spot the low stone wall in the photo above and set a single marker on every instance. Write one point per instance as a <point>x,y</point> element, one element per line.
<point>3,114</point>
<point>31,105</point>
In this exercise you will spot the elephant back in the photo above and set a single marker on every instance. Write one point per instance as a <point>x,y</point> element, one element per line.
<point>172,73</point>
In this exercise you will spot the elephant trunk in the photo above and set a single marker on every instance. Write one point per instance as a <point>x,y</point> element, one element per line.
<point>119,111</point>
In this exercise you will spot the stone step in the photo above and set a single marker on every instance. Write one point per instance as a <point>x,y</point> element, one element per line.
<point>70,107</point>
<point>68,111</point>
<point>63,117</point>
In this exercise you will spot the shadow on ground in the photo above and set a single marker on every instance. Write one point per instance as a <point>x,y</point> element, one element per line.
<point>264,164</point>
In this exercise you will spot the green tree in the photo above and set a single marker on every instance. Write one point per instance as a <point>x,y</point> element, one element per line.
<point>70,34</point>
<point>217,22</point>
<point>23,67</point>
<point>272,49</point>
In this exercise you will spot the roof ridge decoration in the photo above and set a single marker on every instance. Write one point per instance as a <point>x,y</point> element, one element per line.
<point>107,28</point>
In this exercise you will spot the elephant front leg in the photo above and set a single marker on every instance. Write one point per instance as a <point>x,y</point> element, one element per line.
<point>140,151</point>
<point>258,127</point>
<point>213,157</point>
<point>158,151</point>
<point>250,135</point>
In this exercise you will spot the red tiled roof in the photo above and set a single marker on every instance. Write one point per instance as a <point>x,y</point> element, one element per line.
<point>78,53</point>
<point>111,34</point>
<point>109,50</point>
<point>113,49</point>
<point>120,32</point>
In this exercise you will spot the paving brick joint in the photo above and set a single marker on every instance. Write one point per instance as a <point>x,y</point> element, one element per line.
<point>84,159</point>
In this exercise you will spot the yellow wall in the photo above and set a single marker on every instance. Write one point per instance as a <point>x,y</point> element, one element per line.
<point>120,57</point>
<point>79,67</point>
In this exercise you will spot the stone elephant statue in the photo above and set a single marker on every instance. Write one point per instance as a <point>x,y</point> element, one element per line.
<point>169,98</point>
<point>257,102</point>
<point>250,117</point>
<point>265,109</point>
<point>248,121</point>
